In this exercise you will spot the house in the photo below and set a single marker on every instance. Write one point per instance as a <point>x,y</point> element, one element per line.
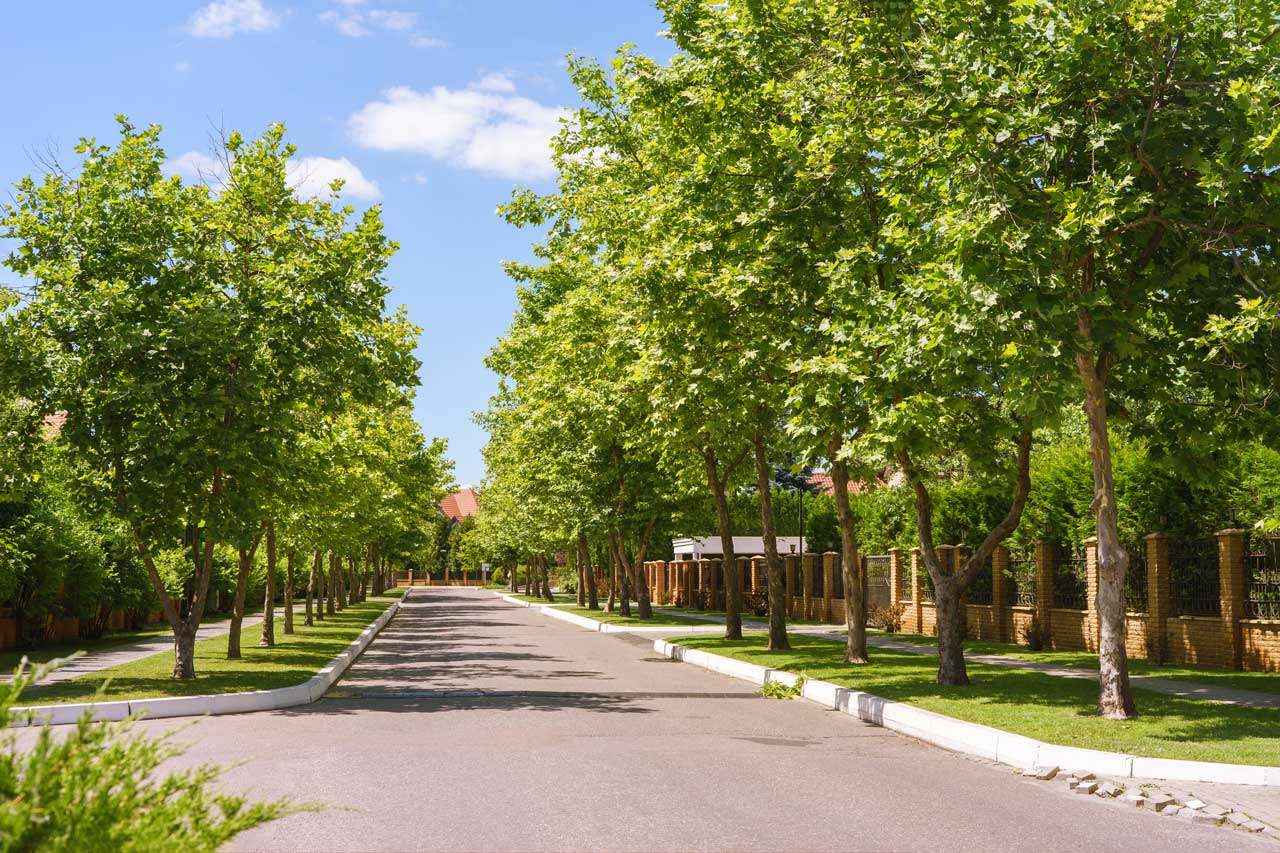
<point>459,505</point>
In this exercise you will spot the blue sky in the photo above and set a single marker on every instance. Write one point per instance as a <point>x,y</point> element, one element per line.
<point>434,109</point>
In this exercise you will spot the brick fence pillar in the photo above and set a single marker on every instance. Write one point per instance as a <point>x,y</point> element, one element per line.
<point>895,577</point>
<point>678,583</point>
<point>759,579</point>
<point>1231,585</point>
<point>1158,604</point>
<point>829,559</point>
<point>1044,589</point>
<point>713,585</point>
<point>791,563</point>
<point>917,592</point>
<point>1092,624</point>
<point>806,585</point>
<point>1000,593</point>
<point>691,583</point>
<point>660,582</point>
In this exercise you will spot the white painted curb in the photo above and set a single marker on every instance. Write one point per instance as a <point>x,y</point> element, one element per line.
<point>212,704</point>
<point>975,739</point>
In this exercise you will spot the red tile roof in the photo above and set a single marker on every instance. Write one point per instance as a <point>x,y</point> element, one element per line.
<point>461,504</point>
<point>822,482</point>
<point>52,425</point>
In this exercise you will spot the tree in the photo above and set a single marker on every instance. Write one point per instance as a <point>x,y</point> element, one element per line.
<point>184,341</point>
<point>1114,156</point>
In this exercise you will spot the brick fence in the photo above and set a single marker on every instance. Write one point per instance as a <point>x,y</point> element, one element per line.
<point>1208,621</point>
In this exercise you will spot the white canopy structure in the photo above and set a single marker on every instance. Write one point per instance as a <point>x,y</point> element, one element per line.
<point>707,547</point>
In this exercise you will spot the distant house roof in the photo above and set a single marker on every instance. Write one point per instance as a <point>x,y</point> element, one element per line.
<point>822,482</point>
<point>52,425</point>
<point>459,505</point>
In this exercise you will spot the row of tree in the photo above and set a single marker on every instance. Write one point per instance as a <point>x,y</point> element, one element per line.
<point>905,236</point>
<point>229,373</point>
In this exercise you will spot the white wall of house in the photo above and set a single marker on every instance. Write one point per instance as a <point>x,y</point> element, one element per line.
<point>708,547</point>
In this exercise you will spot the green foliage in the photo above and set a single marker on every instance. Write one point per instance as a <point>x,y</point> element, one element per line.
<point>99,786</point>
<point>778,690</point>
<point>498,578</point>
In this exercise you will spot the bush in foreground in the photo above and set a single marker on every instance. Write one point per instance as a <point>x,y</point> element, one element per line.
<point>94,786</point>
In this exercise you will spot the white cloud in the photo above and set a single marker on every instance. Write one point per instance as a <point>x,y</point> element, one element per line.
<point>195,166</point>
<point>484,127</point>
<point>224,18</point>
<point>354,22</point>
<point>495,83</point>
<point>427,41</point>
<point>393,20</point>
<point>310,177</point>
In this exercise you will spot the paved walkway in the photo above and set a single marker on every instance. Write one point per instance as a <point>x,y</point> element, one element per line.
<point>472,724</point>
<point>130,652</point>
<point>1170,686</point>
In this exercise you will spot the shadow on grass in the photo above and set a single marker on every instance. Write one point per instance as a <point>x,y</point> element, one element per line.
<point>1046,707</point>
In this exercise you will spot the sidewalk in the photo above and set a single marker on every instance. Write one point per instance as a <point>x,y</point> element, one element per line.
<point>131,652</point>
<point>1168,686</point>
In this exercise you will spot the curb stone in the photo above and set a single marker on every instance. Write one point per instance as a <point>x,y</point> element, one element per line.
<point>213,704</point>
<point>984,741</point>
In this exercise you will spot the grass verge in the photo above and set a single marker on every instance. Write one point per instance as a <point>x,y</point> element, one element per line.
<point>660,617</point>
<point>1260,682</point>
<point>561,598</point>
<point>749,617</point>
<point>1045,707</point>
<point>292,660</point>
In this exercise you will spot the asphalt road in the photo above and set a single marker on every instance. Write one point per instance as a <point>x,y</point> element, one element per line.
<point>471,724</point>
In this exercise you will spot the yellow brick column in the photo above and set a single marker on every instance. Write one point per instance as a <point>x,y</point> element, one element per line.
<point>759,575</point>
<point>1044,589</point>
<point>917,592</point>
<point>1092,624</point>
<point>791,563</point>
<point>829,559</point>
<point>806,584</point>
<point>1158,604</point>
<point>1000,592</point>
<point>1231,586</point>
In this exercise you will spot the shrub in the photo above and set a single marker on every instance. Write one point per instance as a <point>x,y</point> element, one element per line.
<point>755,603</point>
<point>498,578</point>
<point>889,618</point>
<point>96,788</point>
<point>1034,635</point>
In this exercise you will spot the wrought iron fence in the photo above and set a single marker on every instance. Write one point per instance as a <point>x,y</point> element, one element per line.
<point>837,579</point>
<point>1135,580</point>
<point>926,583</point>
<point>1022,578</point>
<point>1193,577</point>
<point>818,580</point>
<point>1262,577</point>
<point>980,591</point>
<point>1070,579</point>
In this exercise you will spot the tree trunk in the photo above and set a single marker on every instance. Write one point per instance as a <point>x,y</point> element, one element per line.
<point>184,651</point>
<point>729,559</point>
<point>311,590</point>
<point>589,573</point>
<point>619,575</point>
<point>949,587</point>
<point>268,637</point>
<point>289,565</point>
<point>1115,698</point>
<point>546,581</point>
<point>777,586</point>
<point>331,586</point>
<point>855,602</point>
<point>582,579</point>
<point>237,609</point>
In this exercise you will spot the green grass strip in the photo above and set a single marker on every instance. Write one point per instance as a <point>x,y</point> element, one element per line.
<point>292,660</point>
<point>1260,682</point>
<point>1045,707</point>
<point>660,617</point>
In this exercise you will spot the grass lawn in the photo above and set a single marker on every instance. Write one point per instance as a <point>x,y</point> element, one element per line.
<point>561,598</point>
<point>1261,682</point>
<point>1045,707</point>
<point>294,658</point>
<point>9,659</point>
<point>749,617</point>
<point>660,617</point>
